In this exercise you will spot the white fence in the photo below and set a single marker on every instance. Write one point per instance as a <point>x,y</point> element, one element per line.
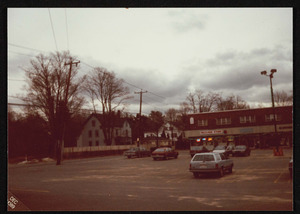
<point>96,148</point>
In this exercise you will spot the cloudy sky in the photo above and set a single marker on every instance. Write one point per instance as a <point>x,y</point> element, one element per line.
<point>167,51</point>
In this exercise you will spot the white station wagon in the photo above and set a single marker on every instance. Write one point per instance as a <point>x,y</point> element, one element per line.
<point>210,162</point>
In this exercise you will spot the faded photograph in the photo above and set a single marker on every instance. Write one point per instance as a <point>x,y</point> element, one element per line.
<point>150,109</point>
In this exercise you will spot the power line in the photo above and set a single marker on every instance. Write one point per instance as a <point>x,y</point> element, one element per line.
<point>93,68</point>
<point>52,29</point>
<point>21,54</point>
<point>19,46</point>
<point>81,109</point>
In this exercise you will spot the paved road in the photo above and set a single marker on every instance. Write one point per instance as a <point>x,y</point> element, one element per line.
<point>114,183</point>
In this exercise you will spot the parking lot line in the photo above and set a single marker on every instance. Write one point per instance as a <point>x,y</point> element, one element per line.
<point>278,178</point>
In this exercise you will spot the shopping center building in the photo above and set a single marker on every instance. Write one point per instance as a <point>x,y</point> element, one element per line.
<point>252,127</point>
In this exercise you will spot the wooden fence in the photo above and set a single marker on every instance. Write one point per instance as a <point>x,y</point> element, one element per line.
<point>73,152</point>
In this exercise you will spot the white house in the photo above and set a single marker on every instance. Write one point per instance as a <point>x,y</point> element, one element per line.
<point>166,130</point>
<point>92,134</point>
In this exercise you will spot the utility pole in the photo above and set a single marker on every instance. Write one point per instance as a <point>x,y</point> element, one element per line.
<point>63,110</point>
<point>275,138</point>
<point>140,117</point>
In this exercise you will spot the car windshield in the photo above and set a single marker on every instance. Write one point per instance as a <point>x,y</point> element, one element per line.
<point>160,150</point>
<point>203,158</point>
<point>240,147</point>
<point>197,148</point>
<point>220,148</point>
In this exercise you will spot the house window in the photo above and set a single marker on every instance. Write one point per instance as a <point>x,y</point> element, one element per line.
<point>126,133</point>
<point>247,119</point>
<point>96,133</point>
<point>90,143</point>
<point>93,123</point>
<point>270,117</point>
<point>191,120</point>
<point>90,133</point>
<point>202,122</point>
<point>117,132</point>
<point>223,121</point>
<point>97,143</point>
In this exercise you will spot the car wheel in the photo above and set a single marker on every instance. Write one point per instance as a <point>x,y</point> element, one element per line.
<point>230,169</point>
<point>221,172</point>
<point>128,156</point>
<point>155,159</point>
<point>196,174</point>
<point>176,156</point>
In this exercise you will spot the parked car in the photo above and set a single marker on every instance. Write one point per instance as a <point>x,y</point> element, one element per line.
<point>164,153</point>
<point>241,150</point>
<point>197,149</point>
<point>291,167</point>
<point>221,149</point>
<point>136,151</point>
<point>229,149</point>
<point>210,162</point>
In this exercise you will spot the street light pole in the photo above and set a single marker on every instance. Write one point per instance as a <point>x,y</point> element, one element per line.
<point>272,97</point>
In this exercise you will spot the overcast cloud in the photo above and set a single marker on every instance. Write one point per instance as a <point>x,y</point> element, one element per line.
<point>168,52</point>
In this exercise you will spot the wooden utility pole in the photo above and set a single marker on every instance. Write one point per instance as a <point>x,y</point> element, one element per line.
<point>63,110</point>
<point>140,115</point>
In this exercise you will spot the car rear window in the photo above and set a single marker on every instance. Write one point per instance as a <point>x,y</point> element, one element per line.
<point>204,158</point>
<point>240,147</point>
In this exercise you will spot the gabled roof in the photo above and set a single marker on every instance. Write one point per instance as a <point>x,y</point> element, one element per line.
<point>118,122</point>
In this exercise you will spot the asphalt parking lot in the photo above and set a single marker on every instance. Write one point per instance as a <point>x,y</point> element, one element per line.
<point>260,182</point>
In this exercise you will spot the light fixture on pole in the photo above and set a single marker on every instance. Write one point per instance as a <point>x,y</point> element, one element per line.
<point>272,96</point>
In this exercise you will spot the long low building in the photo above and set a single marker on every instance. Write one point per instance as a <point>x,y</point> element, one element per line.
<point>255,127</point>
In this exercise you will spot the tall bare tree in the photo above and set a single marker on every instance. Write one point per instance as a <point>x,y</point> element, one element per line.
<point>191,98</point>
<point>53,90</point>
<point>283,99</point>
<point>103,86</point>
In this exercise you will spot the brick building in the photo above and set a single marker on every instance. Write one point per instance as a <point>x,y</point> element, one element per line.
<point>254,127</point>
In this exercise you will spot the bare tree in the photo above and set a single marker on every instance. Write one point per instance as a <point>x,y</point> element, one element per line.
<point>184,108</point>
<point>103,86</point>
<point>53,91</point>
<point>206,102</point>
<point>192,102</point>
<point>155,122</point>
<point>231,102</point>
<point>171,115</point>
<point>283,99</point>
<point>200,101</point>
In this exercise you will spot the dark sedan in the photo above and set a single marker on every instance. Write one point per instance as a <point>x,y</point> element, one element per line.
<point>241,150</point>
<point>164,153</point>
<point>137,152</point>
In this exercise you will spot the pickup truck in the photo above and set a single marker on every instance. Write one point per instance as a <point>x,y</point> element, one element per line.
<point>210,162</point>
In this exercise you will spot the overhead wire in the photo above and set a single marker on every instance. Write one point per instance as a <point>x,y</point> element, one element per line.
<point>52,29</point>
<point>67,28</point>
